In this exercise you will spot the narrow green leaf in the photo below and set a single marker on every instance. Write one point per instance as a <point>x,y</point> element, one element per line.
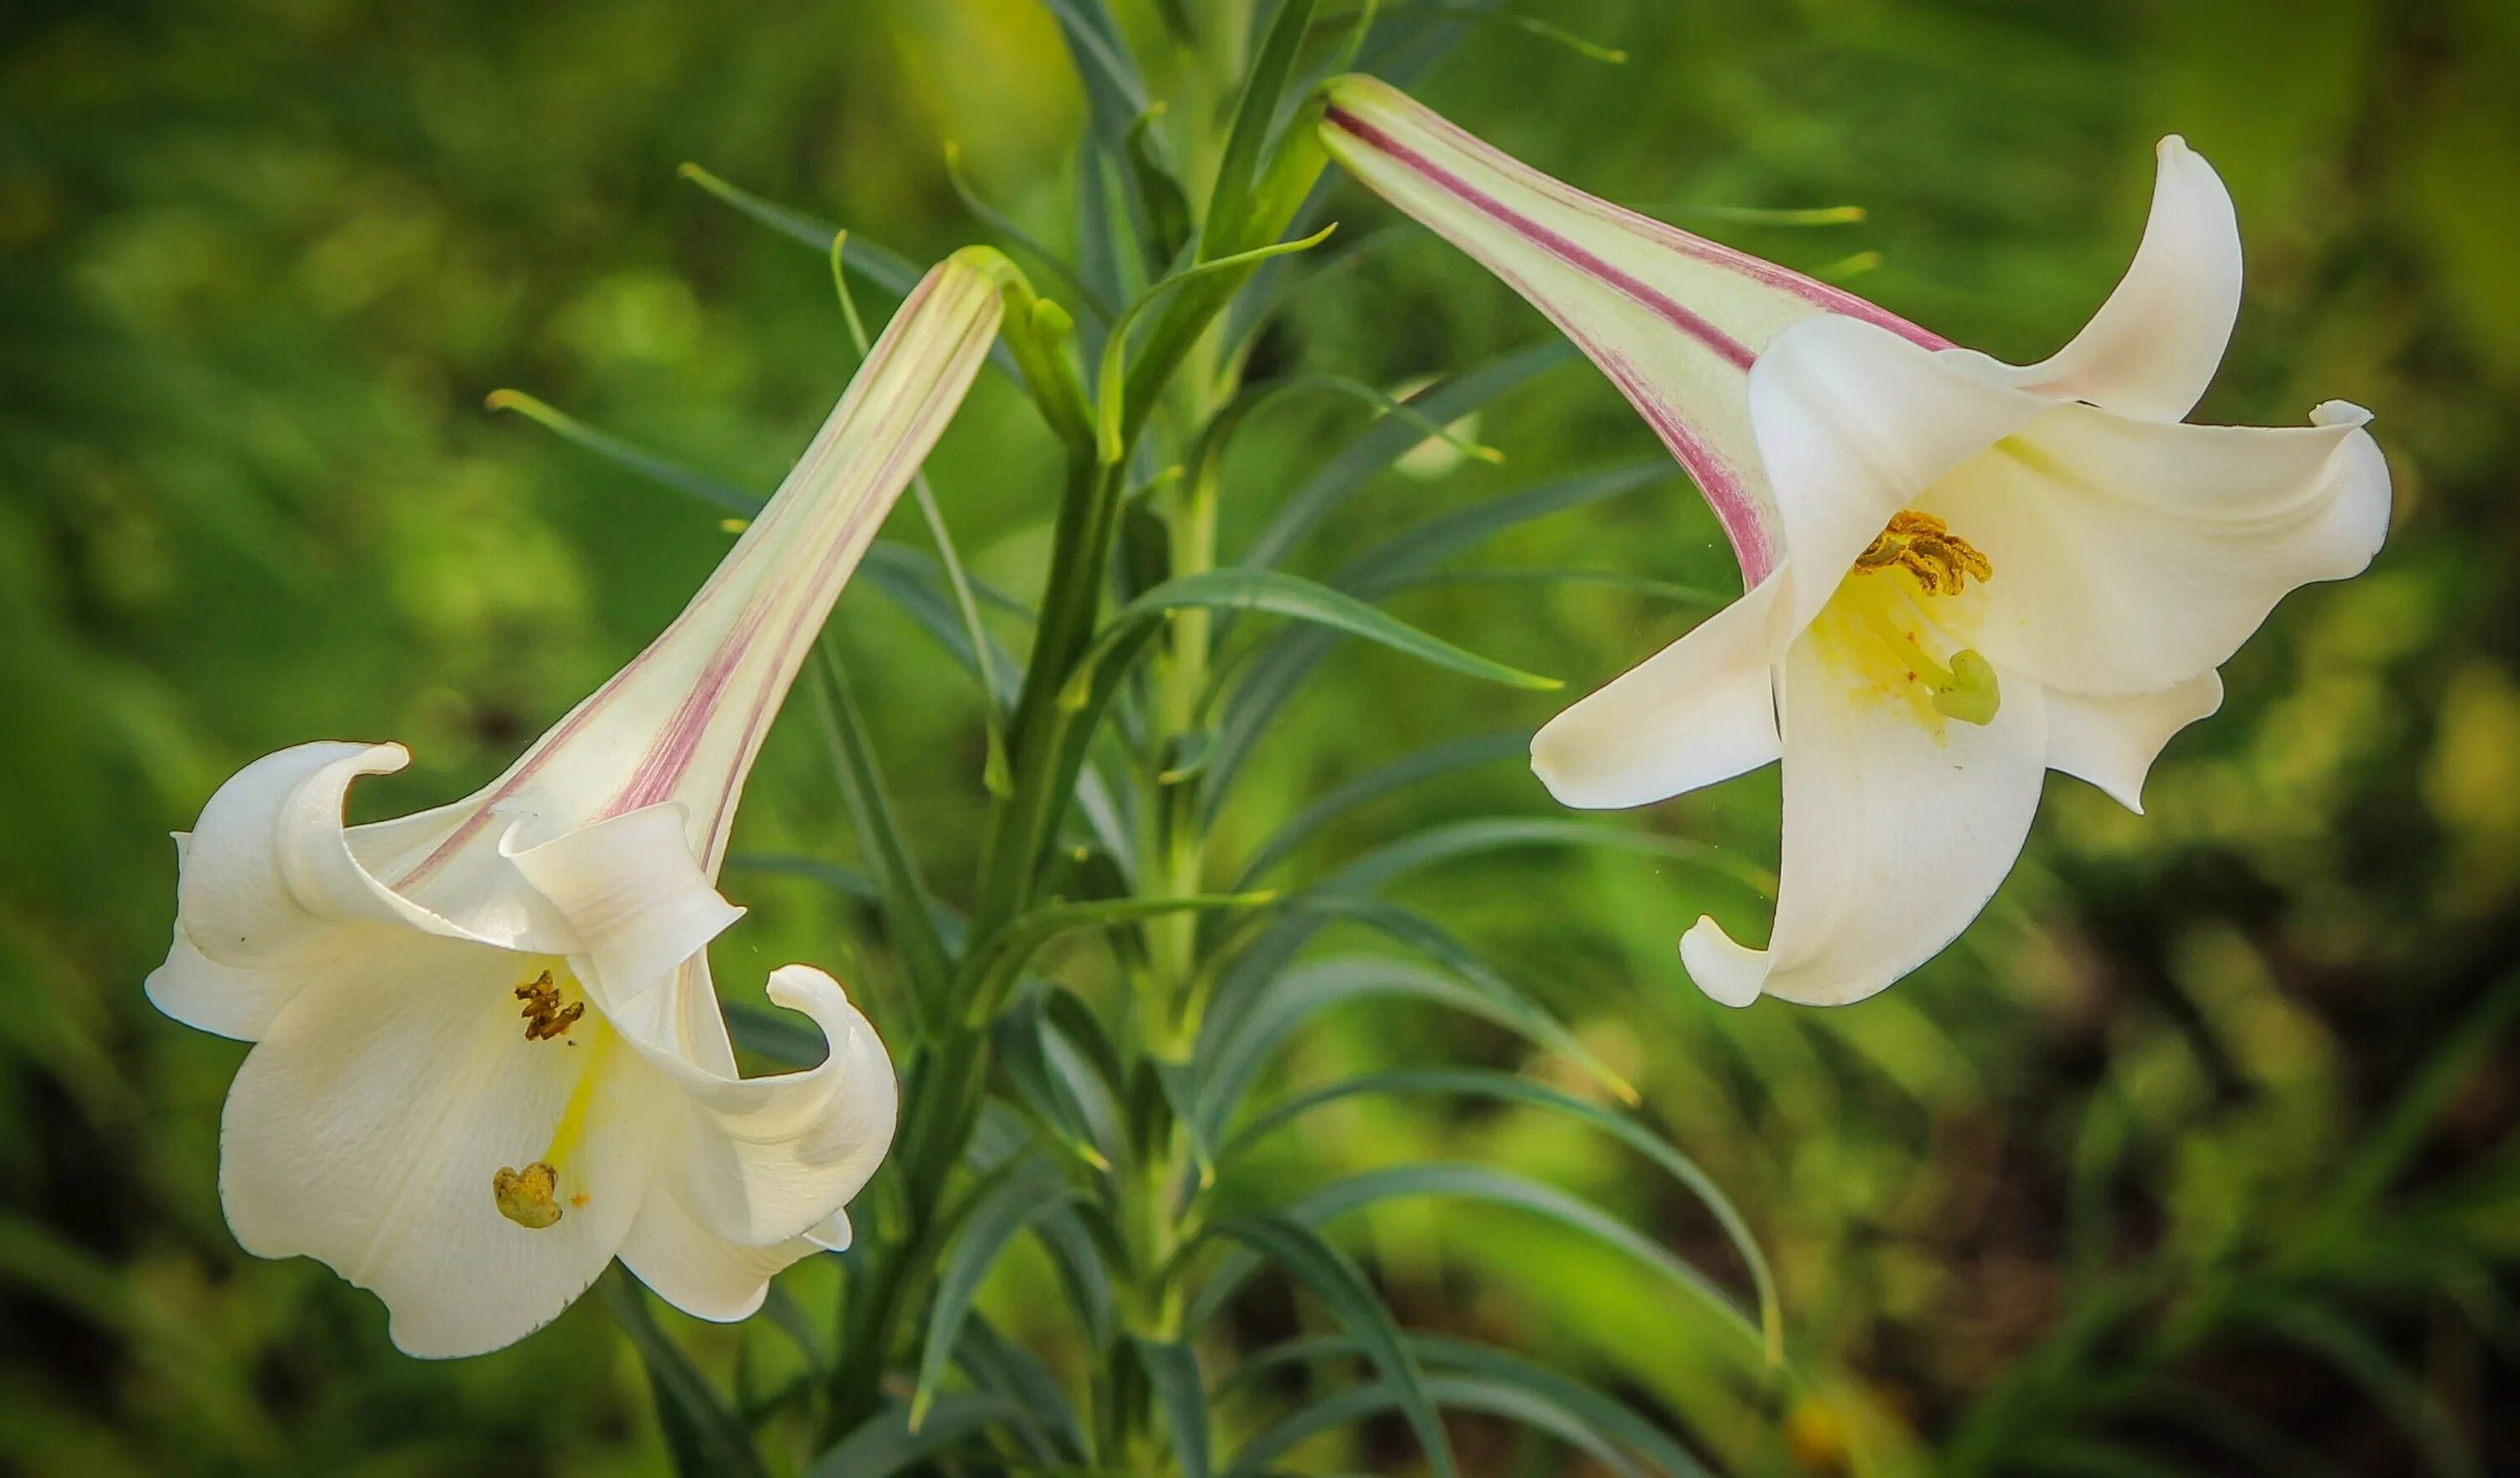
<point>1486,1083</point>
<point>1062,1106</point>
<point>1016,236</point>
<point>724,496</point>
<point>1279,671</point>
<point>1281,594</point>
<point>1233,1047</point>
<point>991,968</point>
<point>1464,1393</point>
<point>1608,579</point>
<point>1173,1370</point>
<point>1342,1286</point>
<point>1383,442</point>
<point>846,881</point>
<point>889,1444</point>
<point>908,913</point>
<point>1483,835</point>
<point>1569,1404</point>
<point>1374,784</point>
<point>1022,1192</point>
<point>1481,1182</point>
<point>704,1437</point>
<point>2401,1394</point>
<point>1002,1369</point>
<point>1231,208</point>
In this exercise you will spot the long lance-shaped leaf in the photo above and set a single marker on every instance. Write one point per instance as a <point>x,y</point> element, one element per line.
<point>846,881</point>
<point>1008,227</point>
<point>1226,1061</point>
<point>1277,593</point>
<point>1342,1286</point>
<point>888,270</point>
<point>1607,580</point>
<point>704,1437</point>
<point>1022,1192</point>
<point>1231,206</point>
<point>991,969</point>
<point>1487,1082</point>
<point>1481,835</point>
<point>721,495</point>
<point>1280,670</point>
<point>1114,93</point>
<point>1448,758</point>
<point>1067,1098</point>
<point>2400,1393</point>
<point>887,1444</point>
<point>1452,1393</point>
<point>1173,1370</point>
<point>1482,1182</point>
<point>1382,445</point>
<point>900,571</point>
<point>908,913</point>
<point>1002,1369</point>
<point>1445,1359</point>
<point>914,584</point>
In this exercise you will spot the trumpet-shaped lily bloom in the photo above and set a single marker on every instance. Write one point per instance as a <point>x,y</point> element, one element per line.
<point>488,1057</point>
<point>1959,573</point>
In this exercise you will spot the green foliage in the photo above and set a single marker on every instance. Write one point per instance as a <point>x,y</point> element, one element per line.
<point>2194,1157</point>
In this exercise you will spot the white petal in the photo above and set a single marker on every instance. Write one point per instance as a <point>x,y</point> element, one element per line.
<point>634,895</point>
<point>2130,556</point>
<point>208,996</point>
<point>2111,742</point>
<point>366,1127</point>
<point>1854,423</point>
<point>704,1275</point>
<point>268,868</point>
<point>2154,346</point>
<point>764,1160</point>
<point>1896,835</point>
<point>1700,710</point>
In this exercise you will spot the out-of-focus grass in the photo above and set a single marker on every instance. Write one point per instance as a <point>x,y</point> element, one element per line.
<point>2119,1165</point>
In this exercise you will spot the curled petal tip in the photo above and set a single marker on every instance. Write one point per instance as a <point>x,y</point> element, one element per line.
<point>1729,974</point>
<point>2339,413</point>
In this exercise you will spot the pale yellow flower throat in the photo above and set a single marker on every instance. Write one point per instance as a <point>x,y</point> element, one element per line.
<point>1880,622</point>
<point>531,1197</point>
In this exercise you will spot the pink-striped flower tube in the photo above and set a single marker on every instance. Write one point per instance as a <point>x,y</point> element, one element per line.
<point>488,1054</point>
<point>1958,573</point>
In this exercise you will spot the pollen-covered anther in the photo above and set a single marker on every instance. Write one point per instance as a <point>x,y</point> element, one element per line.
<point>527,1197</point>
<point>545,1017</point>
<point>1942,561</point>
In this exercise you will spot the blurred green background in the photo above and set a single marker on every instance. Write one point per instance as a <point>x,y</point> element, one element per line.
<point>2202,1138</point>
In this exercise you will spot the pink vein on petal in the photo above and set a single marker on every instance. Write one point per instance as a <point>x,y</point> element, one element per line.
<point>1816,293</point>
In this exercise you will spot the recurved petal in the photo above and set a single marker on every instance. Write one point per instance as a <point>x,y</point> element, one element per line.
<point>367,1128</point>
<point>763,1159</point>
<point>632,895</point>
<point>1700,710</point>
<point>1896,834</point>
<point>704,1276</point>
<point>268,868</point>
<point>1853,423</point>
<point>2130,556</point>
<point>2154,346</point>
<point>2111,742</point>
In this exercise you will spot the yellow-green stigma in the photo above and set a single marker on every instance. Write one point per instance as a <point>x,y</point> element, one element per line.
<point>1939,564</point>
<point>527,1197</point>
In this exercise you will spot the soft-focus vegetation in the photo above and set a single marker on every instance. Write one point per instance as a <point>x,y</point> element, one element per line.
<point>2196,1155</point>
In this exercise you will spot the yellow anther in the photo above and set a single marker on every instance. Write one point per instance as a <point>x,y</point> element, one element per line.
<point>545,1017</point>
<point>527,1196</point>
<point>1942,561</point>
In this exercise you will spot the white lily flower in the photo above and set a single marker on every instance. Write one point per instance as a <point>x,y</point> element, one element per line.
<point>1961,573</point>
<point>487,1055</point>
